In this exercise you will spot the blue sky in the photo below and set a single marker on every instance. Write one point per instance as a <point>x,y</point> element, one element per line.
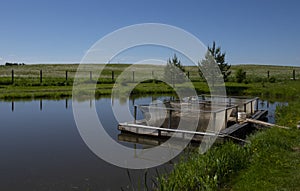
<point>56,31</point>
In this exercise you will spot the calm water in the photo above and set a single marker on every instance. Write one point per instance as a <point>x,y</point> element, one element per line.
<point>41,148</point>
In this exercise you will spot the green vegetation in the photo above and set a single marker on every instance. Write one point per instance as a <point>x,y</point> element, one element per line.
<point>208,171</point>
<point>174,71</point>
<point>270,162</point>
<point>240,75</point>
<point>57,82</point>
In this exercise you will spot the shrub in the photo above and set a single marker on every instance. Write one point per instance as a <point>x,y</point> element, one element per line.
<point>240,75</point>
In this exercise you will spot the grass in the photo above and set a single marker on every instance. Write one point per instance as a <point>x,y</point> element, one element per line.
<point>54,83</point>
<point>270,162</point>
<point>205,172</point>
<point>274,163</point>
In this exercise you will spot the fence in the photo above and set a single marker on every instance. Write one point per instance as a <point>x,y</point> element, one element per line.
<point>57,75</point>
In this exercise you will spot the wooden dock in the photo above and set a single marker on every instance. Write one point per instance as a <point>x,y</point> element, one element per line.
<point>238,130</point>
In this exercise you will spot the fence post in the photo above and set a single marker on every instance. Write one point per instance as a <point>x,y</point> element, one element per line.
<point>152,74</point>
<point>66,75</point>
<point>188,74</point>
<point>112,75</point>
<point>268,74</point>
<point>41,76</point>
<point>12,77</point>
<point>132,76</point>
<point>294,74</point>
<point>91,76</point>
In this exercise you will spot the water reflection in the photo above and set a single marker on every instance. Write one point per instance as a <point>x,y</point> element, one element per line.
<point>41,148</point>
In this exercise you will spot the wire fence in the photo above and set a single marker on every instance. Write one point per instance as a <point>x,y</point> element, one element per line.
<point>62,76</point>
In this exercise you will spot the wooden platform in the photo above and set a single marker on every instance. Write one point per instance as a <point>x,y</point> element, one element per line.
<point>140,128</point>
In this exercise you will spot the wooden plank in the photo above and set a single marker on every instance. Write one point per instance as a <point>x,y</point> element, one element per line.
<point>122,126</point>
<point>265,123</point>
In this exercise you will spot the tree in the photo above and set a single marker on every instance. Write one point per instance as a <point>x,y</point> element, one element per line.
<point>219,58</point>
<point>174,71</point>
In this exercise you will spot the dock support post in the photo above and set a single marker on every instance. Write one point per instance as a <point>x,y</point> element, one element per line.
<point>214,121</point>
<point>236,115</point>
<point>251,107</point>
<point>170,119</point>
<point>257,104</point>
<point>225,118</point>
<point>134,113</point>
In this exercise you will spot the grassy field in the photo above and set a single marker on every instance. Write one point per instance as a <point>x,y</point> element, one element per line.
<point>57,80</point>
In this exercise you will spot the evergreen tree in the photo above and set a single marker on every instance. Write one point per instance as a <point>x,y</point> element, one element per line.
<point>219,58</point>
<point>174,71</point>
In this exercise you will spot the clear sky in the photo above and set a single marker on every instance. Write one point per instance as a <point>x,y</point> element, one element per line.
<point>61,31</point>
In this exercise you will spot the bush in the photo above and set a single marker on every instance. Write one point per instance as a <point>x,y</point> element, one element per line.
<point>240,75</point>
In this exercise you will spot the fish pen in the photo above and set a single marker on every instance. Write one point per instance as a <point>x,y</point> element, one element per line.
<point>201,115</point>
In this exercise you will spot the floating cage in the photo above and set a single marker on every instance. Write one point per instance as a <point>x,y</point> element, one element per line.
<point>203,112</point>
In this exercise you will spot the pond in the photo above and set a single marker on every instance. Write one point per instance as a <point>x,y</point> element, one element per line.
<point>41,148</point>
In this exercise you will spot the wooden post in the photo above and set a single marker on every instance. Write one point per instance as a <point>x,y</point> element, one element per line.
<point>66,75</point>
<point>268,74</point>
<point>257,99</point>
<point>112,75</point>
<point>134,113</point>
<point>12,77</point>
<point>251,107</point>
<point>91,76</point>
<point>294,74</point>
<point>245,108</point>
<point>132,76</point>
<point>170,119</point>
<point>214,121</point>
<point>236,115</point>
<point>188,74</point>
<point>41,76</point>
<point>226,118</point>
<point>152,74</point>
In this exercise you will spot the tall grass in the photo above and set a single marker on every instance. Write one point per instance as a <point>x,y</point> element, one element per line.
<point>208,171</point>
